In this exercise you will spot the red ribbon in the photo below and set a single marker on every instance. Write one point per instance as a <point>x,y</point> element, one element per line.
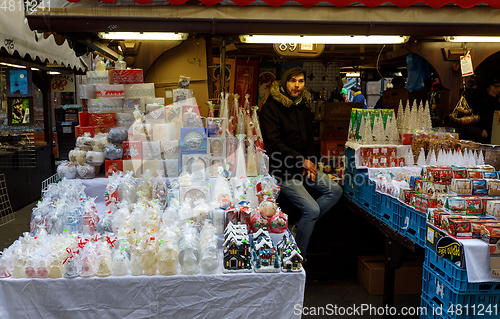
<point>95,238</point>
<point>110,242</point>
<point>82,243</point>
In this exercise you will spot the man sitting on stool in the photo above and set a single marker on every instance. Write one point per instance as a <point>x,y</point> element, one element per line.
<point>287,130</point>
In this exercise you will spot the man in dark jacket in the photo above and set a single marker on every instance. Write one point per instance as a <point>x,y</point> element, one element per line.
<point>287,130</point>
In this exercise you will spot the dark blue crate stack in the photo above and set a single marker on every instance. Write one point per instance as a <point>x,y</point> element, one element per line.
<point>368,198</point>
<point>455,276</point>
<point>350,189</point>
<point>438,295</point>
<point>389,211</point>
<point>413,224</point>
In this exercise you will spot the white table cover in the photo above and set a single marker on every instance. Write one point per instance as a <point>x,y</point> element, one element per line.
<point>248,295</point>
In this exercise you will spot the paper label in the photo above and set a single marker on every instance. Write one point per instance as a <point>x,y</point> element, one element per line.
<point>466,65</point>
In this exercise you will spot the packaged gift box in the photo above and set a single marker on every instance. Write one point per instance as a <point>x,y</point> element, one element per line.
<point>154,166</point>
<point>102,119</point>
<point>113,167</point>
<point>151,150</point>
<point>84,119</point>
<point>109,90</point>
<point>139,90</point>
<point>105,105</point>
<point>494,187</point>
<point>156,116</point>
<point>473,205</point>
<point>97,77</point>
<point>173,113</point>
<point>134,166</point>
<point>130,104</point>
<point>87,91</point>
<point>493,208</point>
<point>193,141</point>
<point>93,130</point>
<point>124,119</point>
<point>132,150</point>
<point>129,76</point>
<point>171,167</point>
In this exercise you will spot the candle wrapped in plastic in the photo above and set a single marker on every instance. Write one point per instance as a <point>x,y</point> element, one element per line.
<point>127,191</point>
<point>84,142</point>
<point>100,141</point>
<point>113,152</point>
<point>118,136</point>
<point>189,253</point>
<point>95,158</point>
<point>168,256</point>
<point>66,169</point>
<point>77,156</point>
<point>86,171</point>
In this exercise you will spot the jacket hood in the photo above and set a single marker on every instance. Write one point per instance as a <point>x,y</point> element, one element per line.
<point>283,98</point>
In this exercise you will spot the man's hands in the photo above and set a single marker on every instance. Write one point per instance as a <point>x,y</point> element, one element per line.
<point>310,169</point>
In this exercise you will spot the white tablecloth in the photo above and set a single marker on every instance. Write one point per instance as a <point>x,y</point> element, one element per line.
<point>248,295</point>
<point>477,261</point>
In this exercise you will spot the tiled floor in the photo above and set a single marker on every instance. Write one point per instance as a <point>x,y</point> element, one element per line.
<point>331,277</point>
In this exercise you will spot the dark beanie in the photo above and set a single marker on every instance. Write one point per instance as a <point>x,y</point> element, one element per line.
<point>356,88</point>
<point>288,71</point>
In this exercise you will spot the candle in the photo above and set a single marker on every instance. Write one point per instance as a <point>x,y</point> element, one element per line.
<point>198,170</point>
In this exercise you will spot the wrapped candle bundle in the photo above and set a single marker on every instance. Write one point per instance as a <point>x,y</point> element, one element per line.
<point>86,171</point>
<point>67,170</point>
<point>100,141</point>
<point>84,142</point>
<point>95,158</point>
<point>104,261</point>
<point>113,152</point>
<point>120,263</point>
<point>189,253</point>
<point>118,136</point>
<point>168,256</point>
<point>208,247</point>
<point>77,156</point>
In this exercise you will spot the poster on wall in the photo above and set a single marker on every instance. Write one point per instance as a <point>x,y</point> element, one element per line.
<point>19,82</point>
<point>229,76</point>
<point>20,111</point>
<point>266,77</point>
<point>62,83</point>
<point>246,80</point>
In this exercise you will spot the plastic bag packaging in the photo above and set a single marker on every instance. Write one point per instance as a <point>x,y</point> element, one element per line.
<point>56,268</point>
<point>168,256</point>
<point>88,259</point>
<point>86,171</point>
<point>120,216</point>
<point>159,195</point>
<point>120,263</point>
<point>90,218</point>
<point>95,158</point>
<point>222,195</point>
<point>136,259</point>
<point>77,156</point>
<point>189,254</point>
<point>209,254</point>
<point>256,123</point>
<point>104,261</point>
<point>171,213</point>
<point>67,170</point>
<point>231,147</point>
<point>201,212</point>
<point>191,118</point>
<point>105,225</point>
<point>120,64</point>
<point>185,211</point>
<point>118,136</point>
<point>71,264</point>
<point>127,191</point>
<point>84,142</point>
<point>185,179</point>
<point>279,222</point>
<point>113,152</point>
<point>149,258</point>
<point>100,141</point>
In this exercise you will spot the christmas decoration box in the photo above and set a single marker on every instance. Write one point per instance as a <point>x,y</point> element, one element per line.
<point>93,130</point>
<point>460,228</point>
<point>102,119</point>
<point>473,206</point>
<point>189,159</point>
<point>97,77</point>
<point>113,167</point>
<point>139,90</point>
<point>151,150</point>
<point>84,119</point>
<point>358,115</point>
<point>154,101</point>
<point>87,91</point>
<point>109,90</point>
<point>193,193</point>
<point>134,166</point>
<point>132,150</point>
<point>130,104</point>
<point>217,147</point>
<point>493,187</point>
<point>124,119</point>
<point>479,187</point>
<point>171,167</point>
<point>389,151</point>
<point>216,126</point>
<point>129,76</point>
<point>461,186</point>
<point>193,141</point>
<point>105,105</point>
<point>493,208</point>
<point>154,166</point>
<point>140,132</point>
<point>156,116</point>
<point>173,113</point>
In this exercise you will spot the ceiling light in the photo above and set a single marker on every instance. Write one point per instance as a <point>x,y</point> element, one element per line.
<point>142,35</point>
<point>35,69</point>
<point>53,72</point>
<point>324,39</point>
<point>352,75</point>
<point>472,39</point>
<point>13,65</point>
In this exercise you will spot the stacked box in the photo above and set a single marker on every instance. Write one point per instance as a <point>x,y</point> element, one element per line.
<point>129,76</point>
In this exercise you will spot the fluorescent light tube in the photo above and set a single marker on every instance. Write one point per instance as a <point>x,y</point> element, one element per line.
<point>472,39</point>
<point>324,39</point>
<point>142,36</point>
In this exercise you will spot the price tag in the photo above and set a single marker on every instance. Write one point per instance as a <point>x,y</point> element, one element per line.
<point>466,65</point>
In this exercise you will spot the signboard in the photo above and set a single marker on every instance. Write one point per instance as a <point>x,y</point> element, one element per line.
<point>62,83</point>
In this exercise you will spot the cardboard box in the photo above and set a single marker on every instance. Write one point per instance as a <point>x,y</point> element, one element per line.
<point>333,148</point>
<point>371,271</point>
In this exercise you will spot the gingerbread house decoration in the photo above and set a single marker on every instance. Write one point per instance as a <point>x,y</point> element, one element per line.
<point>236,249</point>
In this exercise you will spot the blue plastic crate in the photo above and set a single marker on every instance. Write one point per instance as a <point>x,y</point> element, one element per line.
<point>413,224</point>
<point>436,290</point>
<point>350,188</point>
<point>368,198</point>
<point>428,309</point>
<point>388,209</point>
<point>350,163</point>
<point>455,276</point>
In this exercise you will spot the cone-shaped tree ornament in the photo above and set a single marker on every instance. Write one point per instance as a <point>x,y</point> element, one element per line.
<point>421,158</point>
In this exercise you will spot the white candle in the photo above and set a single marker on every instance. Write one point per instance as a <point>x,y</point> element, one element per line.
<point>198,170</point>
<point>171,132</point>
